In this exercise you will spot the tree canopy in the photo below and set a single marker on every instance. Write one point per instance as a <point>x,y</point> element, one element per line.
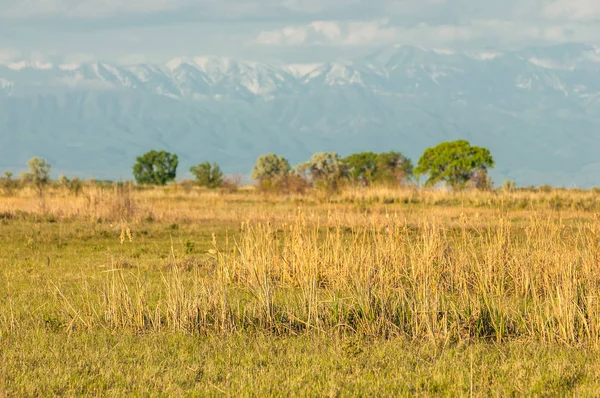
<point>270,166</point>
<point>324,166</point>
<point>326,170</point>
<point>369,167</point>
<point>454,162</point>
<point>208,175</point>
<point>39,173</point>
<point>155,168</point>
<point>362,167</point>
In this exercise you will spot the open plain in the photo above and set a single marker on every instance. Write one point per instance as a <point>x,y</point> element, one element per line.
<point>118,290</point>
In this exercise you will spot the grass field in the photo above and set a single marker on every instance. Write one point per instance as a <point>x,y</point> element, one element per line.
<point>380,292</point>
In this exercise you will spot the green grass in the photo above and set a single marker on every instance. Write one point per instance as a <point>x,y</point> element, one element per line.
<point>40,355</point>
<point>46,363</point>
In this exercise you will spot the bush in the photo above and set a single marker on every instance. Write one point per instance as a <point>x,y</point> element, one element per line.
<point>269,167</point>
<point>544,188</point>
<point>289,184</point>
<point>509,186</point>
<point>208,175</point>
<point>187,185</point>
<point>8,184</point>
<point>367,168</point>
<point>481,180</point>
<point>325,170</point>
<point>74,186</point>
<point>38,175</point>
<point>231,183</point>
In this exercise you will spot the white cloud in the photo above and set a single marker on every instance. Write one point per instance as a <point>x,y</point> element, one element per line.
<point>573,10</point>
<point>317,32</point>
<point>368,32</point>
<point>331,30</point>
<point>161,29</point>
<point>380,32</point>
<point>7,55</point>
<point>286,36</point>
<point>326,32</point>
<point>443,11</point>
<point>362,33</point>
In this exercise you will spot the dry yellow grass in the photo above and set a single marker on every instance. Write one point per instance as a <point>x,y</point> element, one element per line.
<point>408,270</point>
<point>191,204</point>
<point>420,264</point>
<point>388,278</point>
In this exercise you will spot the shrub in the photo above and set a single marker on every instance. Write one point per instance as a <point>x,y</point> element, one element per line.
<point>481,180</point>
<point>270,167</point>
<point>208,175</point>
<point>8,183</point>
<point>325,170</point>
<point>509,186</point>
<point>38,175</point>
<point>75,186</point>
<point>545,188</point>
<point>231,183</point>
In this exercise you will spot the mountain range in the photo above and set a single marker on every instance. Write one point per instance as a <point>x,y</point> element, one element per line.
<point>536,109</point>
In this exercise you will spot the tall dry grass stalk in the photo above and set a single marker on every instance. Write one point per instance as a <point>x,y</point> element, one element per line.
<point>124,201</point>
<point>430,280</point>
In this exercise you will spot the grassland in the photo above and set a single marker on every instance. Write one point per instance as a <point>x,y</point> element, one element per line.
<point>380,292</point>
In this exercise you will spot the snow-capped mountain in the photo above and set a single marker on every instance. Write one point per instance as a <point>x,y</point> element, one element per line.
<point>536,109</point>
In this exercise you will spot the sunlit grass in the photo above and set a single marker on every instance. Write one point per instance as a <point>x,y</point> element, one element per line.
<point>172,290</point>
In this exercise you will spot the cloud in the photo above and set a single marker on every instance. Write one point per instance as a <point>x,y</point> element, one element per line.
<point>161,29</point>
<point>573,10</point>
<point>317,32</point>
<point>428,11</point>
<point>7,55</point>
<point>358,33</point>
<point>381,32</point>
<point>363,34</point>
<point>329,33</point>
<point>442,11</point>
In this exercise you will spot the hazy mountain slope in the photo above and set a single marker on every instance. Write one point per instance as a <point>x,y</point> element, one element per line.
<point>538,110</point>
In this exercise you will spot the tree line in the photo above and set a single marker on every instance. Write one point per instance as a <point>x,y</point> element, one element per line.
<point>456,163</point>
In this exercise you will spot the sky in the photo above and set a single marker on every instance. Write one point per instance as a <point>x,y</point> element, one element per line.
<point>136,31</point>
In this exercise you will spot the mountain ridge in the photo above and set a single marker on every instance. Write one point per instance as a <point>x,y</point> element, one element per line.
<point>536,109</point>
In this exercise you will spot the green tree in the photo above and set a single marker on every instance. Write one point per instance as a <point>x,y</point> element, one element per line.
<point>155,168</point>
<point>38,174</point>
<point>325,169</point>
<point>369,167</point>
<point>392,167</point>
<point>454,163</point>
<point>8,184</point>
<point>270,167</point>
<point>208,175</point>
<point>362,167</point>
